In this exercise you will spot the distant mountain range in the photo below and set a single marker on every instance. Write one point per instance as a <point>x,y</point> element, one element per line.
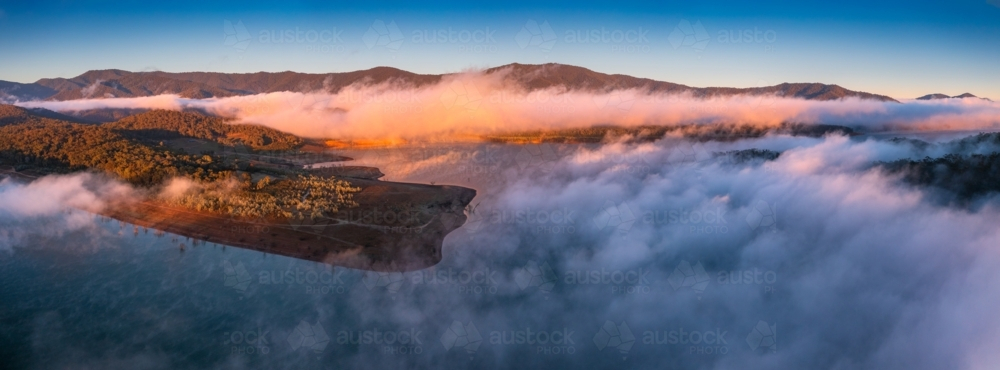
<point>122,84</point>
<point>943,96</point>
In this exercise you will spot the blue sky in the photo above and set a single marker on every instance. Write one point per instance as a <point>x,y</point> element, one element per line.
<point>902,49</point>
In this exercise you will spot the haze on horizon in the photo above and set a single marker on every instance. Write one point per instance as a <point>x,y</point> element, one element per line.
<point>900,49</point>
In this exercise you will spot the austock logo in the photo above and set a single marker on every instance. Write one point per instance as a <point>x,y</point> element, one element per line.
<point>464,336</point>
<point>763,337</point>
<point>483,163</point>
<point>686,152</point>
<point>386,219</point>
<point>547,342</point>
<point>387,342</point>
<point>236,277</point>
<point>236,35</point>
<point>689,35</point>
<point>383,35</point>
<point>559,221</point>
<point>616,100</point>
<point>621,40</point>
<point>468,40</point>
<point>621,281</point>
<point>538,157</point>
<point>748,36</point>
<point>479,281</point>
<point>694,342</point>
<point>696,37</point>
<point>619,163</point>
<point>533,275</point>
<point>539,221</point>
<point>311,102</point>
<point>386,276</point>
<point>763,278</point>
<point>698,221</point>
<point>687,276</point>
<point>249,342</point>
<point>762,216</point>
<point>309,336</point>
<point>462,96</point>
<point>537,35</point>
<point>325,281</point>
<point>315,282</point>
<point>617,217</point>
<point>615,336</point>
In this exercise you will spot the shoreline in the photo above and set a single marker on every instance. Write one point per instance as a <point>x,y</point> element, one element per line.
<point>350,238</point>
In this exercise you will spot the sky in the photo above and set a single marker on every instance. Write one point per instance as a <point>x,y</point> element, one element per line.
<point>903,49</point>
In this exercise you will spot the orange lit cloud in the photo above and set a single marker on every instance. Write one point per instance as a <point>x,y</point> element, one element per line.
<point>473,104</point>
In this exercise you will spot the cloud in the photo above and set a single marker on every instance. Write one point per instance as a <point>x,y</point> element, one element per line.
<point>867,272</point>
<point>88,91</point>
<point>54,205</point>
<point>172,102</point>
<point>53,194</point>
<point>473,103</point>
<point>177,187</point>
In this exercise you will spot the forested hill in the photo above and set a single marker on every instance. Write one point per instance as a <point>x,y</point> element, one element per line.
<point>125,150</point>
<point>166,124</point>
<point>972,169</point>
<point>48,145</point>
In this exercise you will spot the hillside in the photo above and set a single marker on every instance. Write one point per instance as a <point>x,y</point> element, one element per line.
<point>166,124</point>
<point>119,83</point>
<point>122,84</point>
<point>47,145</point>
<point>960,177</point>
<point>943,96</point>
<point>17,91</point>
<point>11,114</point>
<point>532,77</point>
<point>199,85</point>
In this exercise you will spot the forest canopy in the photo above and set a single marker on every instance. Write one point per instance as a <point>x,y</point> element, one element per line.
<point>125,150</point>
<point>166,124</point>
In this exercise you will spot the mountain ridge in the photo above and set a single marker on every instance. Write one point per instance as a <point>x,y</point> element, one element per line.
<point>939,96</point>
<point>109,83</point>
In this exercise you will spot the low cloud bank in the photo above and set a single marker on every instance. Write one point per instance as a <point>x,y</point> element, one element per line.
<point>852,268</point>
<point>473,103</point>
